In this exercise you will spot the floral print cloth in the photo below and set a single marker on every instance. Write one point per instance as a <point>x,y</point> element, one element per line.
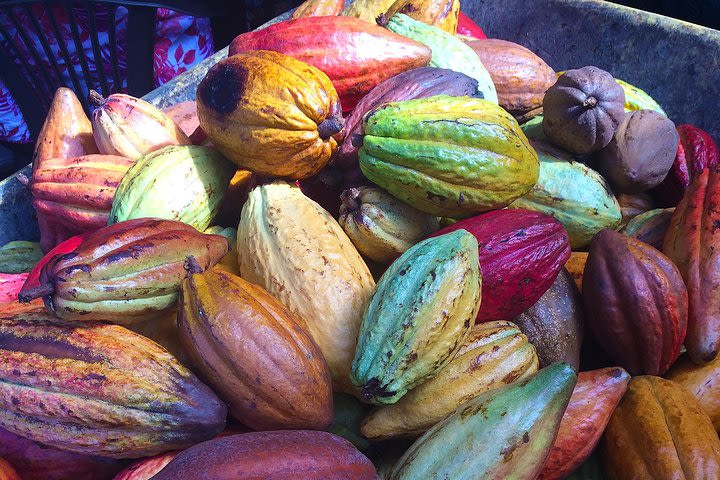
<point>181,42</point>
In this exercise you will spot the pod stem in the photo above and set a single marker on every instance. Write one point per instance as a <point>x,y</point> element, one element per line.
<point>42,290</point>
<point>382,20</point>
<point>330,126</point>
<point>590,102</point>
<point>96,99</point>
<point>192,266</point>
<point>350,198</point>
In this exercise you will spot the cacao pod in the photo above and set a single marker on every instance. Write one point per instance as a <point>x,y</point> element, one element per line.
<point>130,127</point>
<point>117,394</point>
<point>254,352</point>
<point>632,205</point>
<point>576,266</point>
<point>184,114</point>
<point>533,129</point>
<point>125,273</point>
<point>636,303</point>
<point>520,252</point>
<point>319,8</point>
<point>419,152</point>
<point>7,472</point>
<point>280,455</point>
<point>702,381</point>
<point>416,83</point>
<point>504,433</point>
<point>520,77</point>
<point>493,355</point>
<point>280,119</point>
<point>66,132</point>
<point>164,332</point>
<point>183,183</point>
<point>10,286</point>
<point>448,51</point>
<point>69,245</point>
<point>573,193</point>
<point>291,246</point>
<point>380,226</point>
<point>593,401</point>
<point>650,227</point>
<point>691,242</point>
<point>146,468</point>
<point>347,415</point>
<point>637,99</point>
<point>658,431</point>
<point>442,14</point>
<point>355,56</point>
<point>367,10</point>
<point>419,316</point>
<point>19,256</point>
<point>229,262</point>
<point>235,198</point>
<point>696,151</point>
<point>583,109</point>
<point>554,324</point>
<point>74,195</point>
<point>468,28</point>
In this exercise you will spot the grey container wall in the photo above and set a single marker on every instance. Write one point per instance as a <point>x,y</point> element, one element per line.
<point>675,62</point>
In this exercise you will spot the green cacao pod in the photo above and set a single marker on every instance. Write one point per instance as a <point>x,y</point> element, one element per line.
<point>177,182</point>
<point>448,156</point>
<point>419,316</point>
<point>19,256</point>
<point>381,226</point>
<point>650,227</point>
<point>448,51</point>
<point>573,193</point>
<point>637,99</point>
<point>99,389</point>
<point>503,434</point>
<point>348,413</point>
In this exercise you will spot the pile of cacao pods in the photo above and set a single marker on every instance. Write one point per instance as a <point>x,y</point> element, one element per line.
<point>378,245</point>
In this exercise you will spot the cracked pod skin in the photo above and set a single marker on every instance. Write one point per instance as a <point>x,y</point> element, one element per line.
<point>270,113</point>
<point>254,352</point>
<point>98,389</point>
<point>126,273</point>
<point>520,252</point>
<point>636,303</point>
<point>448,156</point>
<point>692,241</point>
<point>419,316</point>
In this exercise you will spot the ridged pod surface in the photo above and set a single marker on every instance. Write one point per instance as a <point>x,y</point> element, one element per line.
<point>69,245</point>
<point>183,183</point>
<point>703,381</point>
<point>650,227</point>
<point>692,242</point>
<point>573,193</point>
<point>494,354</point>
<point>270,113</point>
<point>130,127</point>
<point>448,156</point>
<point>367,10</point>
<point>442,14</point>
<point>502,434</point>
<point>635,303</point>
<point>281,455</point>
<point>253,352</point>
<point>19,256</point>
<point>355,55</point>
<point>99,390</point>
<point>448,51</point>
<point>419,316</point>
<point>125,273</point>
<point>74,195</point>
<point>381,226</point>
<point>292,247</point>
<point>520,252</point>
<point>659,431</point>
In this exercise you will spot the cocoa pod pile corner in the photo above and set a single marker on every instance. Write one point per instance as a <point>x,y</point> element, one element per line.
<point>393,249</point>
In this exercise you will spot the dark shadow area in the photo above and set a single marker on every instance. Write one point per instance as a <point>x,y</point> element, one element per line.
<point>700,12</point>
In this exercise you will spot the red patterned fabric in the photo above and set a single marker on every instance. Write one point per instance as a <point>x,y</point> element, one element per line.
<point>181,42</point>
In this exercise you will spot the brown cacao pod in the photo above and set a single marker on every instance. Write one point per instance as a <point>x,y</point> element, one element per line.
<point>520,77</point>
<point>576,266</point>
<point>254,352</point>
<point>650,227</point>
<point>593,401</point>
<point>554,325</point>
<point>521,253</point>
<point>703,381</point>
<point>99,390</point>
<point>657,432</point>
<point>280,455</point>
<point>126,272</point>
<point>635,303</point>
<point>693,243</point>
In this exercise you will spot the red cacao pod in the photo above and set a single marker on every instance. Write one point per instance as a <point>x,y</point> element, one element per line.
<point>146,468</point>
<point>10,286</point>
<point>693,243</point>
<point>696,152</point>
<point>355,54</point>
<point>521,252</point>
<point>593,401</point>
<point>278,455</point>
<point>469,28</point>
<point>69,245</point>
<point>635,303</point>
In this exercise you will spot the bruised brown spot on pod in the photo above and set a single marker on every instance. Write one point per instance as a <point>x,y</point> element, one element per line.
<point>223,87</point>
